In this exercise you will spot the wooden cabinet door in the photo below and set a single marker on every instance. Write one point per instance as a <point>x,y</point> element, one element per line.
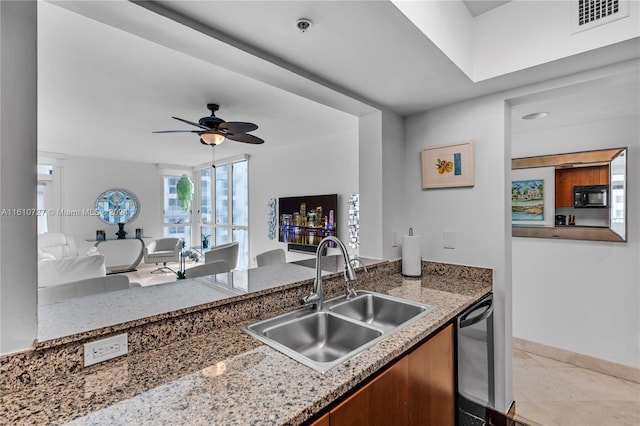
<point>382,402</point>
<point>432,381</point>
<point>566,179</point>
<point>564,188</point>
<point>322,421</point>
<point>604,175</point>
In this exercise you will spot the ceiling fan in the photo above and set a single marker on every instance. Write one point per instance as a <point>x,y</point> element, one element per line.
<point>213,130</point>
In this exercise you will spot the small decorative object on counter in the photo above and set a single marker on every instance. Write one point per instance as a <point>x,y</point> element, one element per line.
<point>205,241</point>
<point>100,235</point>
<point>138,232</point>
<point>121,234</point>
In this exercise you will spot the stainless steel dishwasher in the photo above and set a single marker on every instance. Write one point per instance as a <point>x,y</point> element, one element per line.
<point>474,355</point>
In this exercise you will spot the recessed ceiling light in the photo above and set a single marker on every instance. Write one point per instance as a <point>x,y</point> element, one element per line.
<point>535,115</point>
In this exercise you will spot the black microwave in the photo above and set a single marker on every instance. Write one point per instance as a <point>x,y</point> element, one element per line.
<point>590,196</point>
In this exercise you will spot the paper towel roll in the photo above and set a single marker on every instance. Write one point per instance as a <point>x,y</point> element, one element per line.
<point>411,258</point>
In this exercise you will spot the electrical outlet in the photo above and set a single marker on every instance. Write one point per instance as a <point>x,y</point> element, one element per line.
<point>102,350</point>
<point>449,239</point>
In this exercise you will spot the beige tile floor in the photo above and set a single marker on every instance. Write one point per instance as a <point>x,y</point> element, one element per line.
<point>552,393</point>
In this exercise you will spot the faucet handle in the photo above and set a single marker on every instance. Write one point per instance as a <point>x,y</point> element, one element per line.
<point>309,299</point>
<point>356,260</point>
<point>349,293</point>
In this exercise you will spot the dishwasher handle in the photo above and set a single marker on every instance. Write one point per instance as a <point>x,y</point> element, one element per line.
<point>487,304</point>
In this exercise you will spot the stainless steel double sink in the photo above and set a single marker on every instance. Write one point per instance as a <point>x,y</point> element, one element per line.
<point>343,328</point>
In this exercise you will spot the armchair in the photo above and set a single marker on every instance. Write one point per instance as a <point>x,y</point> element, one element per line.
<point>228,252</point>
<point>211,268</point>
<point>162,251</point>
<point>271,257</point>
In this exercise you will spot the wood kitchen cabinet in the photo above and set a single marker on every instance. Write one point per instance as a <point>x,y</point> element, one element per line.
<point>566,179</point>
<point>383,401</point>
<point>418,389</point>
<point>322,421</point>
<point>432,381</point>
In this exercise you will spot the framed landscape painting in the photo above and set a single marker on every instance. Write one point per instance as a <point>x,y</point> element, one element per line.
<point>445,166</point>
<point>527,200</point>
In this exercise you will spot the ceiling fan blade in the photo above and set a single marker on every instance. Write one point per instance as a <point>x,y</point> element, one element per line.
<point>237,127</point>
<point>191,122</point>
<point>176,131</point>
<point>244,137</point>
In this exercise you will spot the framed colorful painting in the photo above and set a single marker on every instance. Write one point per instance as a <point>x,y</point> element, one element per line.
<point>527,200</point>
<point>445,166</point>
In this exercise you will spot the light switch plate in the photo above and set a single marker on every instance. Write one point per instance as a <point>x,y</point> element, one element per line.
<point>449,239</point>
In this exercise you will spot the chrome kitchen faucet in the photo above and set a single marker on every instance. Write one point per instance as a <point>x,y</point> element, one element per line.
<point>317,295</point>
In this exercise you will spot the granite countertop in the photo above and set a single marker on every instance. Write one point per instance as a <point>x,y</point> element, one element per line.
<point>83,314</point>
<point>228,378</point>
<point>220,375</point>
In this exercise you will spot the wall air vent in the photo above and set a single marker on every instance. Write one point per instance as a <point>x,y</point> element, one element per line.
<point>586,14</point>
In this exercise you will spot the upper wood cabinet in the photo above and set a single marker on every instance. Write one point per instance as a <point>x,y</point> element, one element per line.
<point>566,179</point>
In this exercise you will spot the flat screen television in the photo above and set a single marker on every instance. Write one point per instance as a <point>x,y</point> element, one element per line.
<point>308,219</point>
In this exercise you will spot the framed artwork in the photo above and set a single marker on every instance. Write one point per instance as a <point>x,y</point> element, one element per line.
<point>446,166</point>
<point>117,206</point>
<point>527,200</point>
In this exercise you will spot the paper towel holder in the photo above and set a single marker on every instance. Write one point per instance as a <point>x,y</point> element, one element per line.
<point>411,257</point>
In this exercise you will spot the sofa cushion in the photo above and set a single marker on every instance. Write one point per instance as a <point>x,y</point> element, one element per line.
<point>57,244</point>
<point>60,271</point>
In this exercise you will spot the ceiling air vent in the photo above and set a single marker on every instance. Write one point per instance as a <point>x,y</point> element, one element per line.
<point>586,14</point>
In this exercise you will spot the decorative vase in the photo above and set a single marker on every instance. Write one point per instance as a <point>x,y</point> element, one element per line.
<point>122,234</point>
<point>205,244</point>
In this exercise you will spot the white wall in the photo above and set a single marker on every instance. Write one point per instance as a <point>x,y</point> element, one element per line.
<point>309,168</point>
<point>18,136</point>
<point>517,35</point>
<point>448,24</point>
<point>477,214</point>
<point>582,296</point>
<point>393,186</point>
<point>86,178</point>
<point>525,33</point>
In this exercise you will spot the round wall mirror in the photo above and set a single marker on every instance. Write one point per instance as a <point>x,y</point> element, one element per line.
<point>117,206</point>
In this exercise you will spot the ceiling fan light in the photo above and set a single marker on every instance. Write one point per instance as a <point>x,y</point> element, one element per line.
<point>212,138</point>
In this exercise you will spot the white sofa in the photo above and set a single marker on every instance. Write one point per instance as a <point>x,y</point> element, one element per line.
<point>61,261</point>
<point>56,245</point>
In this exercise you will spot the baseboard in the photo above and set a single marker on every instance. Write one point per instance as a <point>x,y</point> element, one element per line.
<point>600,365</point>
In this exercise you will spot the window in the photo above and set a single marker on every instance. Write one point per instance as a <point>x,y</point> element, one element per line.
<point>45,196</point>
<point>176,220</point>
<point>231,213</point>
